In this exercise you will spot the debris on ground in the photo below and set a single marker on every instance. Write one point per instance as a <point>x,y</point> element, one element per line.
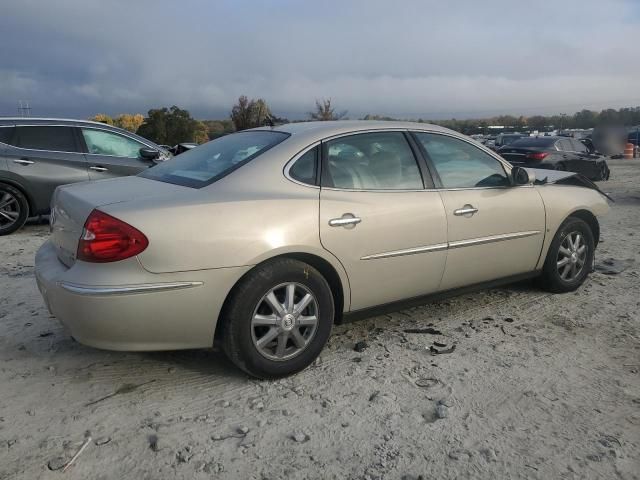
<point>361,346</point>
<point>428,330</point>
<point>75,457</point>
<point>435,351</point>
<point>612,266</point>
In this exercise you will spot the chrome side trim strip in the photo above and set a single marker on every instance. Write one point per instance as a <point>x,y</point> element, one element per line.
<point>457,244</point>
<point>493,238</point>
<point>128,289</point>
<point>409,251</point>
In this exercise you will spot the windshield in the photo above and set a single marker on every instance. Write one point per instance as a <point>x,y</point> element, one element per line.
<point>207,163</point>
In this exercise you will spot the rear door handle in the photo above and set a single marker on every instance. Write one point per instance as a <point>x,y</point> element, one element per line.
<point>24,161</point>
<point>469,210</point>
<point>98,169</point>
<point>347,220</point>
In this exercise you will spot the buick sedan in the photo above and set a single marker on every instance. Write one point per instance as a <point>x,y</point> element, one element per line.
<point>261,240</point>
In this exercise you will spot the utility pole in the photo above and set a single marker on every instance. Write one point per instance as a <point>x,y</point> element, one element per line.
<point>24,108</point>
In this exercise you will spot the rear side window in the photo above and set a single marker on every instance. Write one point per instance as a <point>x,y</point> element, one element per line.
<point>372,161</point>
<point>578,146</point>
<point>213,160</point>
<point>564,145</point>
<point>6,133</point>
<point>57,139</point>
<point>305,168</point>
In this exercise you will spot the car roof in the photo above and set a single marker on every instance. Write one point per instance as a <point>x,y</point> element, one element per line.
<point>337,127</point>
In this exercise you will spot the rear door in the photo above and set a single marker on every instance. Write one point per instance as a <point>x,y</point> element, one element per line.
<point>110,154</point>
<point>377,218</point>
<point>46,156</point>
<point>495,230</point>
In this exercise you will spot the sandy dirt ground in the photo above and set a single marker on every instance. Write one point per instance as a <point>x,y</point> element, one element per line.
<point>539,386</point>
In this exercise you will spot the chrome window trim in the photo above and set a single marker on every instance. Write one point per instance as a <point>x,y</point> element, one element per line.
<point>438,247</point>
<point>126,289</point>
<point>294,159</point>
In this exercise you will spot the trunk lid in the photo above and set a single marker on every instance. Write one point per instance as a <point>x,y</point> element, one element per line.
<point>518,156</point>
<point>72,204</point>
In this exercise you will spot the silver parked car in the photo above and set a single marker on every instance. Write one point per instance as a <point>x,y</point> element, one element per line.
<point>262,239</point>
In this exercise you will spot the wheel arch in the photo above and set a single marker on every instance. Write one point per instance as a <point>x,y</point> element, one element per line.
<point>339,290</point>
<point>590,220</point>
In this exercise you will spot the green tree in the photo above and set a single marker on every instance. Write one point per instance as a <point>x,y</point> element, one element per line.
<point>250,113</point>
<point>324,111</point>
<point>169,126</point>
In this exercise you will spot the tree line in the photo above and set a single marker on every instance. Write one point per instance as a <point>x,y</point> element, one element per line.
<point>173,125</point>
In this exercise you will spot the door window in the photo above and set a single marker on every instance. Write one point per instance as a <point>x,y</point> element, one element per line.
<point>372,161</point>
<point>6,134</point>
<point>460,164</point>
<point>578,146</point>
<point>100,142</point>
<point>305,168</point>
<point>56,139</point>
<point>564,145</point>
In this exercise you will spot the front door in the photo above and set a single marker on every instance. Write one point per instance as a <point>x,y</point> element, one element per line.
<point>495,230</point>
<point>388,232</point>
<point>111,154</point>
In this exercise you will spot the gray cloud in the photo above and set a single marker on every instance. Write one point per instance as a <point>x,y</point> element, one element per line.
<point>415,58</point>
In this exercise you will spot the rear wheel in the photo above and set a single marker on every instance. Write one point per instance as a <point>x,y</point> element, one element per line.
<point>14,209</point>
<point>570,257</point>
<point>278,319</point>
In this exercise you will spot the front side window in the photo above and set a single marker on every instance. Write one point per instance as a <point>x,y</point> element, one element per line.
<point>209,162</point>
<point>305,168</point>
<point>372,161</point>
<point>460,164</point>
<point>56,139</point>
<point>101,142</point>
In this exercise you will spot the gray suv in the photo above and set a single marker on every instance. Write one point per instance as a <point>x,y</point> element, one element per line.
<point>37,155</point>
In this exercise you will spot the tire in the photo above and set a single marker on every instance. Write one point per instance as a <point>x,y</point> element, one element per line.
<point>248,308</point>
<point>561,167</point>
<point>555,278</point>
<point>14,209</point>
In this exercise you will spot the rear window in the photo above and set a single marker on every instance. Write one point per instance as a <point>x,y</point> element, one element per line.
<point>5,134</point>
<point>209,162</point>
<point>540,142</point>
<point>56,139</point>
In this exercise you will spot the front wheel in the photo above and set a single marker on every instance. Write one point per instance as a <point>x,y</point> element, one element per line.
<point>570,257</point>
<point>278,319</point>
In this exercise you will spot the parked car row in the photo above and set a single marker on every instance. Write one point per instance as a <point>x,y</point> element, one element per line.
<point>38,155</point>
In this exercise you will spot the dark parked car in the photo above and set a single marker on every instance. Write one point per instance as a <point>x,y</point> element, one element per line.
<point>37,155</point>
<point>504,139</point>
<point>556,153</point>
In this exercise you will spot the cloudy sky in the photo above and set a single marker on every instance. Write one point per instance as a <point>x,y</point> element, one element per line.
<point>410,58</point>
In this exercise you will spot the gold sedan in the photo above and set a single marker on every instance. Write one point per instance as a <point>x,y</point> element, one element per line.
<point>262,239</point>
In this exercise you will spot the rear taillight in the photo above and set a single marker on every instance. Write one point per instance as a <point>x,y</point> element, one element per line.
<point>107,239</point>
<point>536,156</point>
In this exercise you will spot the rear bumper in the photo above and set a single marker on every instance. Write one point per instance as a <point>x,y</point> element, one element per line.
<point>121,306</point>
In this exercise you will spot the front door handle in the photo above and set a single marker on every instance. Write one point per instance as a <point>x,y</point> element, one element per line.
<point>348,220</point>
<point>467,210</point>
<point>98,169</point>
<point>24,161</point>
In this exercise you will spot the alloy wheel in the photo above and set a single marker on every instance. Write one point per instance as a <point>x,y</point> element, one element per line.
<point>9,209</point>
<point>572,256</point>
<point>285,321</point>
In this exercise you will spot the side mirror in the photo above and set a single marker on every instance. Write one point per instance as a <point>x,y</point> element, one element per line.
<point>522,176</point>
<point>149,153</point>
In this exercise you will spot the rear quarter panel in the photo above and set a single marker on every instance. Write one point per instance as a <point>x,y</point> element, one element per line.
<point>560,202</point>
